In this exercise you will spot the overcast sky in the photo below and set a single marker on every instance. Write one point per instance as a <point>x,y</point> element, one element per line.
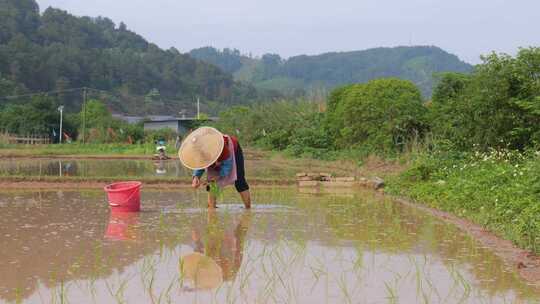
<point>467,28</point>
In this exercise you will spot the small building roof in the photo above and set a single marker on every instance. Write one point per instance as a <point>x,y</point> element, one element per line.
<point>156,118</point>
<point>159,118</point>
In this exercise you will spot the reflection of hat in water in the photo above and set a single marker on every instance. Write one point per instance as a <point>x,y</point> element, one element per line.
<point>201,148</point>
<point>201,270</point>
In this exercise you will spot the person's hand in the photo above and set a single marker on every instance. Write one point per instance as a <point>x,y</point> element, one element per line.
<point>196,182</point>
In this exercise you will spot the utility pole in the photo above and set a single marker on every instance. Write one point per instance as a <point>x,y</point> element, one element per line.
<point>84,116</point>
<point>61,109</point>
<point>198,108</point>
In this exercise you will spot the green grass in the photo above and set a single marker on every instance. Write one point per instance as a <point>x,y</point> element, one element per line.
<point>499,190</point>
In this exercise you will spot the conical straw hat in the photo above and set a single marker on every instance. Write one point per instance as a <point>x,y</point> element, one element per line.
<point>201,270</point>
<point>201,148</point>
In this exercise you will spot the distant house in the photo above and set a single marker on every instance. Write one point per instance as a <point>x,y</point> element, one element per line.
<point>128,119</point>
<point>179,125</point>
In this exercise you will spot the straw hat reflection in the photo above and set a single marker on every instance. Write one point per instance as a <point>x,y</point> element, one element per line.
<point>201,148</point>
<point>201,271</point>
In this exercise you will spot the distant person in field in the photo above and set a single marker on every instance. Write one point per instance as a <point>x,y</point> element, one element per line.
<point>221,157</point>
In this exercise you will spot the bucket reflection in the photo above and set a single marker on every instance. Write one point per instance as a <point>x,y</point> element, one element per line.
<point>123,226</point>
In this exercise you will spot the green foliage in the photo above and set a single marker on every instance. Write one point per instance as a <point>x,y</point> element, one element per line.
<point>311,138</point>
<point>497,106</point>
<point>271,125</point>
<point>38,117</point>
<point>97,115</point>
<point>379,116</point>
<point>330,70</point>
<point>228,60</point>
<point>58,50</point>
<point>162,134</point>
<point>101,127</point>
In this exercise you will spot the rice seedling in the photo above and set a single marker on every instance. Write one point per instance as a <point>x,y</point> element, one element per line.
<point>391,293</point>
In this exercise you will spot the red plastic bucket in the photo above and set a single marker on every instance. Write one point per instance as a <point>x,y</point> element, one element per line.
<point>124,196</point>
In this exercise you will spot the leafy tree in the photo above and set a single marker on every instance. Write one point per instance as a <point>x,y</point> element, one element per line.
<point>58,50</point>
<point>102,127</point>
<point>268,124</point>
<point>446,112</point>
<point>449,86</point>
<point>379,116</point>
<point>311,138</point>
<point>96,115</point>
<point>229,60</point>
<point>38,117</point>
<point>497,106</point>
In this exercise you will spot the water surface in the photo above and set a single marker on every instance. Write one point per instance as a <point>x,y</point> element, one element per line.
<point>133,168</point>
<point>67,247</point>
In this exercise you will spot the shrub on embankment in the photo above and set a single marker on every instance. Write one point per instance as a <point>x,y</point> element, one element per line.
<point>381,116</point>
<point>497,106</point>
<point>486,124</point>
<point>499,189</point>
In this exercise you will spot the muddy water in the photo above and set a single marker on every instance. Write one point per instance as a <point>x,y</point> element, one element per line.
<point>66,247</point>
<point>91,168</point>
<point>129,168</point>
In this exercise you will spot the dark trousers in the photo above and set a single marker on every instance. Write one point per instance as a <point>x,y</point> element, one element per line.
<point>241,184</point>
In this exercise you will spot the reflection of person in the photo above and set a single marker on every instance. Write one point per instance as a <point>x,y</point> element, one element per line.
<point>220,155</point>
<point>160,167</point>
<point>224,245</point>
<point>178,142</point>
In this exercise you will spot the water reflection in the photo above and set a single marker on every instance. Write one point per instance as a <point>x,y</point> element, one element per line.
<point>123,226</point>
<point>222,243</point>
<point>290,248</point>
<point>92,168</point>
<point>260,168</point>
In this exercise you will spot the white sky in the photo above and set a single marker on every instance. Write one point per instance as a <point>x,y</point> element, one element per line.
<point>467,28</point>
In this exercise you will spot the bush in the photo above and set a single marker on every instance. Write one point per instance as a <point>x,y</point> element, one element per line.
<point>270,125</point>
<point>166,134</point>
<point>498,106</point>
<point>381,116</point>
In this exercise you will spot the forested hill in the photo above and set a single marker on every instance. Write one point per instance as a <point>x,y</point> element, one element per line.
<point>56,50</point>
<point>418,64</point>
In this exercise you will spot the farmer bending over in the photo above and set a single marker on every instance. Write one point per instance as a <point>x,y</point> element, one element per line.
<point>220,155</point>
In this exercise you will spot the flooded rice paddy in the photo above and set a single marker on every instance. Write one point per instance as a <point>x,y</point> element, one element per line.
<point>139,168</point>
<point>67,247</point>
<point>91,168</point>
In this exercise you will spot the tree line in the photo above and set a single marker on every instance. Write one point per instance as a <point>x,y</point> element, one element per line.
<point>299,75</point>
<point>56,50</point>
<point>495,106</point>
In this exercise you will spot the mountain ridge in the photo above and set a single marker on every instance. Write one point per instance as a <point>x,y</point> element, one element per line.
<point>55,50</point>
<point>331,69</point>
